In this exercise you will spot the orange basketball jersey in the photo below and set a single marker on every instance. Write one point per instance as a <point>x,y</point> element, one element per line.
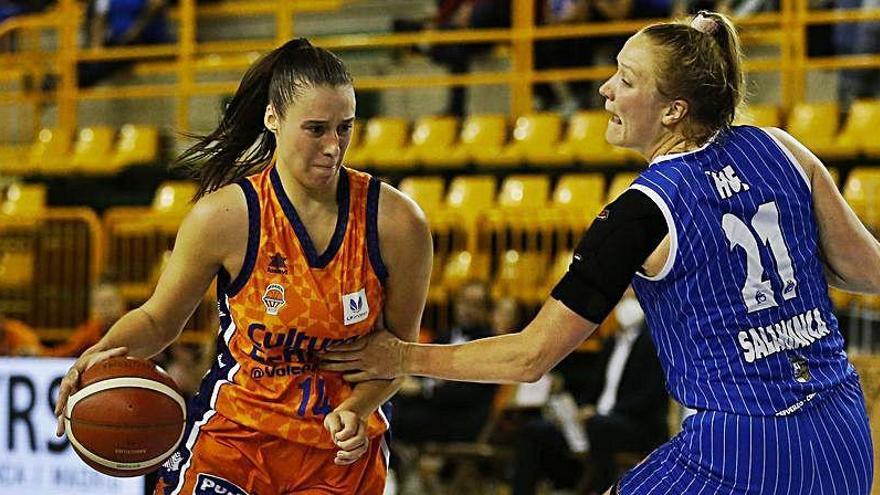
<point>288,302</point>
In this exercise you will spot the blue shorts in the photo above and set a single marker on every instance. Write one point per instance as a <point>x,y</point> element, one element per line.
<point>823,448</point>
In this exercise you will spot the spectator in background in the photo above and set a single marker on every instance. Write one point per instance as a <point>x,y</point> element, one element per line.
<point>623,409</point>
<point>106,307</point>
<point>859,38</point>
<point>580,52</point>
<point>119,23</point>
<point>17,339</point>
<point>437,410</point>
<point>507,316</point>
<point>465,14</point>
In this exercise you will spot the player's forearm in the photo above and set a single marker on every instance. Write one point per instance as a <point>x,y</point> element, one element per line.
<point>139,332</point>
<point>502,359</point>
<point>368,396</point>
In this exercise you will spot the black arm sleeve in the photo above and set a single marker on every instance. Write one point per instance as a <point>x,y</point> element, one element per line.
<point>608,255</point>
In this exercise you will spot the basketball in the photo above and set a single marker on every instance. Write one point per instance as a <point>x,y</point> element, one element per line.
<point>127,417</point>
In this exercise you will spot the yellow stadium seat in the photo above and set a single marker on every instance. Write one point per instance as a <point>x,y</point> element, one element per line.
<point>862,192</point>
<point>136,144</point>
<point>585,140</point>
<point>524,192</point>
<point>482,136</point>
<point>577,199</point>
<point>619,183</point>
<point>91,152</point>
<point>174,197</point>
<point>50,152</point>
<point>432,138</point>
<point>384,139</point>
<point>859,134</point>
<point>469,200</point>
<point>471,195</point>
<point>426,191</point>
<point>533,135</point>
<point>815,125</point>
<point>463,266</point>
<point>14,160</point>
<point>518,211</point>
<point>519,275</point>
<point>24,200</point>
<point>759,116</point>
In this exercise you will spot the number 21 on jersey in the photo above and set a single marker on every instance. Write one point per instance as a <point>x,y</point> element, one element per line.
<point>756,291</point>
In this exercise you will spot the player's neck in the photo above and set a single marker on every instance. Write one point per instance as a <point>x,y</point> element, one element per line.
<point>670,144</point>
<point>304,197</point>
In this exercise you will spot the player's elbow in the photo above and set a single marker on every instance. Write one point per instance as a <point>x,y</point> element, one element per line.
<point>531,367</point>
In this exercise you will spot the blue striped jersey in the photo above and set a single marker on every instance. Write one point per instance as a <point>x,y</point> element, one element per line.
<point>740,312</point>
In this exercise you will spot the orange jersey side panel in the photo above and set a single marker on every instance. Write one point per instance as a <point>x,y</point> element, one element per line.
<point>296,301</point>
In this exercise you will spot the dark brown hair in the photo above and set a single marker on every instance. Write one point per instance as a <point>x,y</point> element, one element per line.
<point>241,144</point>
<point>702,68</point>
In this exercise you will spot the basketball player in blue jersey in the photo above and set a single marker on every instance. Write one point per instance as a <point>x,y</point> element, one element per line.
<point>730,239</point>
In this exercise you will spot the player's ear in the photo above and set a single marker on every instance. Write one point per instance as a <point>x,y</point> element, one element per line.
<point>270,119</point>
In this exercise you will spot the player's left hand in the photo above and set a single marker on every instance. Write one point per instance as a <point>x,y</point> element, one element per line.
<point>378,355</point>
<point>349,433</point>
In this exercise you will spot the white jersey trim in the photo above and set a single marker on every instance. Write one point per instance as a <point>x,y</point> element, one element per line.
<point>794,162</point>
<point>673,232</point>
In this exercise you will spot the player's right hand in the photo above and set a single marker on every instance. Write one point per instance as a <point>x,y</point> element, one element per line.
<point>70,383</point>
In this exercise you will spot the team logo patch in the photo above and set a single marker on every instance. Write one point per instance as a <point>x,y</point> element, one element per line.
<point>273,298</point>
<point>277,264</point>
<point>801,369</point>
<point>355,307</point>
<point>207,484</point>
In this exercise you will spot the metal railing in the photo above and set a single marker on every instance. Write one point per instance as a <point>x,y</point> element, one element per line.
<point>786,29</point>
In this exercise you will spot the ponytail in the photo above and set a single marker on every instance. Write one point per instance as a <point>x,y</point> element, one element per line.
<point>241,145</point>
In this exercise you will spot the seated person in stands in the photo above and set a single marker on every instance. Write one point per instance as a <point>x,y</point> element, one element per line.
<point>436,410</point>
<point>623,409</point>
<point>106,307</point>
<point>118,23</point>
<point>17,339</point>
<point>507,316</point>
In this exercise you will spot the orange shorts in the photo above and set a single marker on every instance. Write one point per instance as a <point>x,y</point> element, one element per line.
<point>230,459</point>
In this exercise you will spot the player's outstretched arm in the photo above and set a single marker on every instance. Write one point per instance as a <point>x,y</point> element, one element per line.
<point>851,254</point>
<point>519,357</point>
<point>211,235</point>
<point>406,248</point>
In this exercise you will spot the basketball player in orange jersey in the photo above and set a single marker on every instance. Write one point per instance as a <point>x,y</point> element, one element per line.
<point>307,253</point>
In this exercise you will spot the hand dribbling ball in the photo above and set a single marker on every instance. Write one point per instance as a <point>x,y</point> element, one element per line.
<point>127,417</point>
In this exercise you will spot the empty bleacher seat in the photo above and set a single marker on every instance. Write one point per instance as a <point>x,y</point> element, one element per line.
<point>815,125</point>
<point>426,191</point>
<point>576,200</point>
<point>50,153</point>
<point>174,197</point>
<point>468,200</point>
<point>859,133</point>
<point>24,200</point>
<point>482,136</point>
<point>14,160</point>
<point>862,192</point>
<point>533,135</point>
<point>759,116</point>
<point>136,144</point>
<point>433,137</point>
<point>92,150</point>
<point>585,140</point>
<point>384,139</point>
<point>520,275</point>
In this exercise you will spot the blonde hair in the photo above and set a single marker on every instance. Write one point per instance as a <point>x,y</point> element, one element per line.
<point>701,63</point>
